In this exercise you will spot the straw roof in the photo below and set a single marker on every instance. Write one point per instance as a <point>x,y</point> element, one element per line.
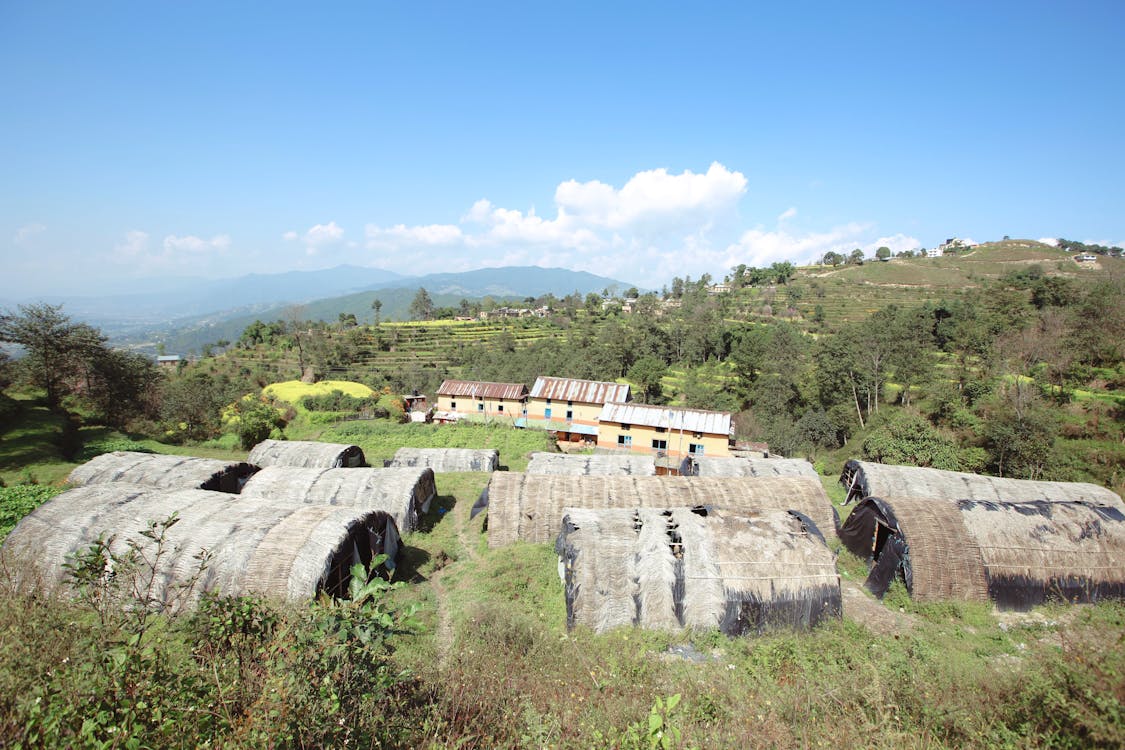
<point>306,454</point>
<point>599,464</point>
<point>403,493</point>
<point>163,472</point>
<point>529,507</point>
<point>279,550</point>
<point>1016,554</point>
<point>447,459</point>
<point>865,479</point>
<point>752,467</point>
<point>696,568</point>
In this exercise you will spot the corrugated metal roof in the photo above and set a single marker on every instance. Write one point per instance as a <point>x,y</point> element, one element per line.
<point>477,388</point>
<point>689,420</point>
<point>585,391</point>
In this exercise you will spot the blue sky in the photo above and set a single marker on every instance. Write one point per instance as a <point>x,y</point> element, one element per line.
<point>640,141</point>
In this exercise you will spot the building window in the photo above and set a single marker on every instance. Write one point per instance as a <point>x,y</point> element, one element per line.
<point>548,402</point>
<point>500,408</point>
<point>625,441</point>
<point>569,415</point>
<point>695,449</point>
<point>697,435</point>
<point>453,405</point>
<point>547,413</point>
<point>625,426</point>
<point>480,407</point>
<point>570,403</point>
<point>661,429</point>
<point>659,445</point>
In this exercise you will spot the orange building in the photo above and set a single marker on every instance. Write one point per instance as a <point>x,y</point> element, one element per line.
<point>481,401</point>
<point>571,407</point>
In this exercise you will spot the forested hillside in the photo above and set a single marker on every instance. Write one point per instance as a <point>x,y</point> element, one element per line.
<point>1007,359</point>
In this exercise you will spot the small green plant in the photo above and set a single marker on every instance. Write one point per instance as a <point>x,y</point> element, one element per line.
<point>658,732</point>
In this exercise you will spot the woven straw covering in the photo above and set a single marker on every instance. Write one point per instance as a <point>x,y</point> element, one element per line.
<point>865,479</point>
<point>945,559</point>
<point>306,454</point>
<point>282,551</point>
<point>753,467</point>
<point>1038,551</point>
<point>162,472</point>
<point>447,459</point>
<point>403,493</point>
<point>529,507</point>
<point>593,465</point>
<point>678,567</point>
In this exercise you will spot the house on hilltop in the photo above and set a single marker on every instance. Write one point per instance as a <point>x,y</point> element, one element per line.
<point>672,432</point>
<point>571,407</point>
<point>480,400</point>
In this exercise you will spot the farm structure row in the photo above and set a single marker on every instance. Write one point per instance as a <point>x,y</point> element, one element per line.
<point>594,413</point>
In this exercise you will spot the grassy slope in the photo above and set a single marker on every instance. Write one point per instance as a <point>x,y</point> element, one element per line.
<point>495,666</point>
<point>501,670</point>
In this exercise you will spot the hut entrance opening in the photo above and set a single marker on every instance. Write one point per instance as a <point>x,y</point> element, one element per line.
<point>357,549</point>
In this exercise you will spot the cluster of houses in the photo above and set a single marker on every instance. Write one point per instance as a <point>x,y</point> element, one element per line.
<point>589,412</point>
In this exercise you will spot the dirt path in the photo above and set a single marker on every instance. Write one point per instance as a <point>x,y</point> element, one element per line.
<point>861,608</point>
<point>465,552</point>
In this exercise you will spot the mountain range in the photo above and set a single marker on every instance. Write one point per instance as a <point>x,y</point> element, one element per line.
<point>187,313</point>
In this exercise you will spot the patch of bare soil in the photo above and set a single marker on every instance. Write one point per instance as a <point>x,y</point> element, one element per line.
<point>860,607</point>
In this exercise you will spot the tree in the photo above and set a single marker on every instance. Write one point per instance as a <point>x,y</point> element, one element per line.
<point>856,258</point>
<point>121,386</point>
<point>422,308</point>
<point>54,346</point>
<point>883,253</point>
<point>377,306</point>
<point>782,272</point>
<point>833,259</point>
<point>647,372</point>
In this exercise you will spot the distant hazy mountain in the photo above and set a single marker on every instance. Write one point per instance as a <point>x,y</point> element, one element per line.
<point>166,299</point>
<point>446,289</point>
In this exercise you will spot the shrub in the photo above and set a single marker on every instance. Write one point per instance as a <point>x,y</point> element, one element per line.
<point>16,502</point>
<point>95,448</point>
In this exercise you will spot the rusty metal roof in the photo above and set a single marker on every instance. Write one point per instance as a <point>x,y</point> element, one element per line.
<point>584,391</point>
<point>480,389</point>
<point>688,420</point>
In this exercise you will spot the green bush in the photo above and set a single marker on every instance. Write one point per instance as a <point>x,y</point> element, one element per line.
<point>16,502</point>
<point>95,448</point>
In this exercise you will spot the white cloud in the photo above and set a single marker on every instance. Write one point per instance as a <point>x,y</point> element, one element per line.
<point>193,244</point>
<point>27,231</point>
<point>757,247</point>
<point>652,195</point>
<point>431,235</point>
<point>289,236</point>
<point>135,244</point>
<point>896,242</point>
<point>655,226</point>
<point>320,235</point>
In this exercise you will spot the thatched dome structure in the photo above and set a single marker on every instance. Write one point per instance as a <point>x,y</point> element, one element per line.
<point>404,493</point>
<point>529,507</point>
<point>163,471</point>
<point>695,568</point>
<point>1015,554</point>
<point>446,459</point>
<point>306,454</point>
<point>704,466</point>
<point>279,550</point>
<point>865,479</point>
<point>598,464</point>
